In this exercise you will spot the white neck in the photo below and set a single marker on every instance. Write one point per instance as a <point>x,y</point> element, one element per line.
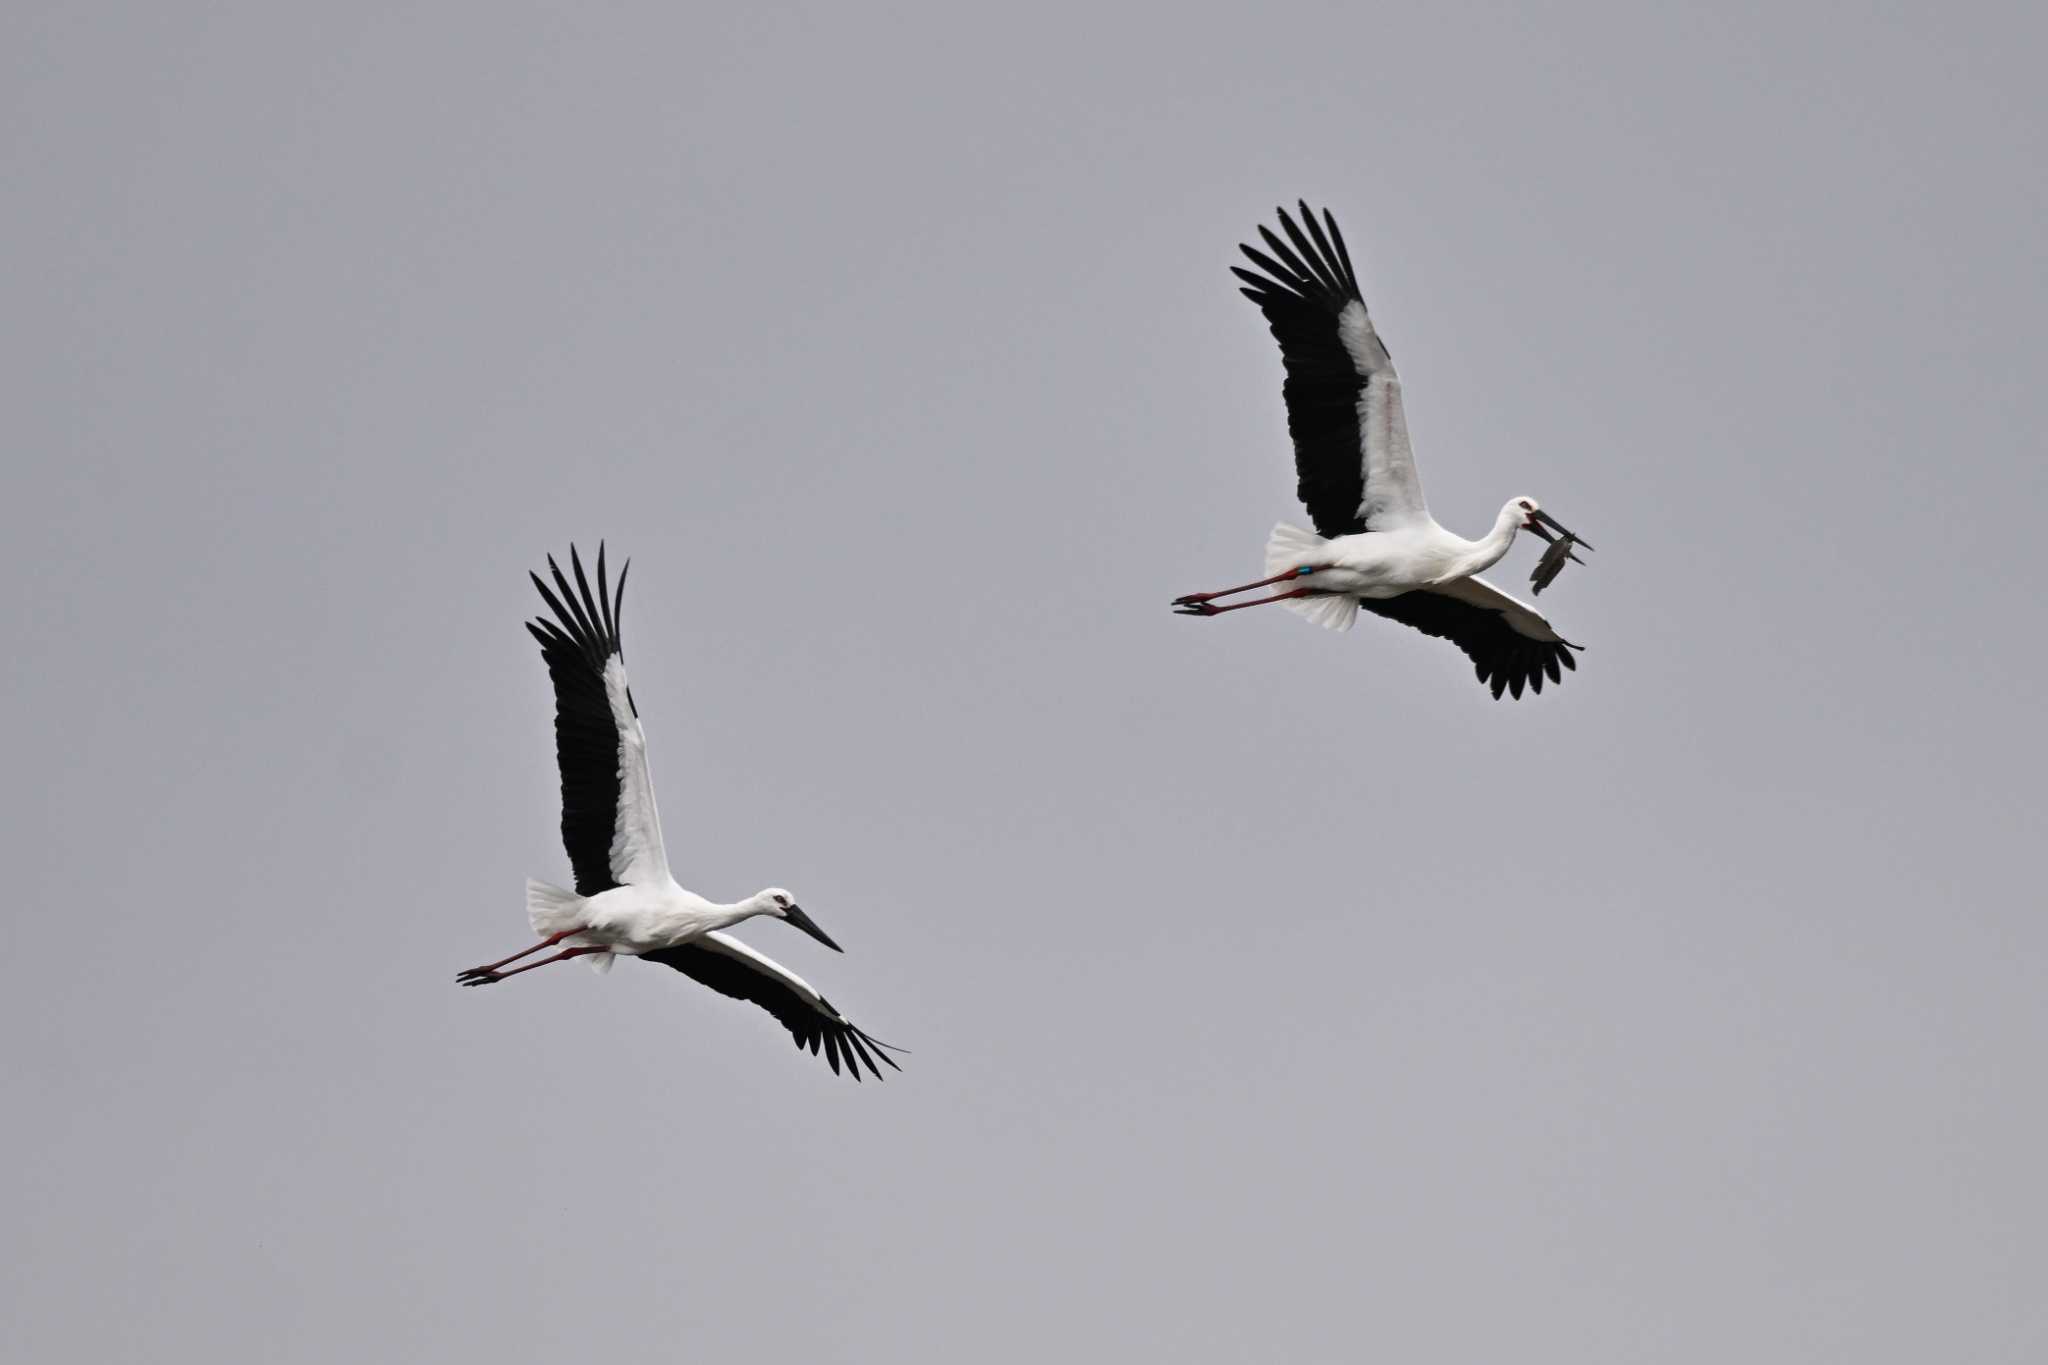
<point>740,911</point>
<point>1488,549</point>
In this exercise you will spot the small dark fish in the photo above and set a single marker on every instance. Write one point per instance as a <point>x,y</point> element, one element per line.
<point>1552,563</point>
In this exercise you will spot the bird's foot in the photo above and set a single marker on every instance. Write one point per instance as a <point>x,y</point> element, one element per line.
<point>478,976</point>
<point>1195,597</point>
<point>1196,606</point>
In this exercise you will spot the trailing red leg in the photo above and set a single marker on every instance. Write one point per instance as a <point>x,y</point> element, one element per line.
<point>486,978</point>
<point>490,969</point>
<point>1211,609</point>
<point>1197,598</point>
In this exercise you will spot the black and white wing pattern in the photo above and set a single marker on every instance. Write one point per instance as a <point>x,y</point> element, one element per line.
<point>1508,641</point>
<point>609,824</point>
<point>1343,398</point>
<point>730,967</point>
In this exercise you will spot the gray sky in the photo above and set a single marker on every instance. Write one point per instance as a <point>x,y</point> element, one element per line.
<point>1274,995</point>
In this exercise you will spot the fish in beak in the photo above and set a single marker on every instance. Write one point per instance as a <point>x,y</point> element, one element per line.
<point>1561,543</point>
<point>795,915</point>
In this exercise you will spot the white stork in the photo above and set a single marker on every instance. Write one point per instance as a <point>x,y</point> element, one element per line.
<point>625,901</point>
<point>1375,544</point>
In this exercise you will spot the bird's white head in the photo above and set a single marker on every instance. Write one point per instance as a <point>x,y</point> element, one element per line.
<point>779,903</point>
<point>1527,514</point>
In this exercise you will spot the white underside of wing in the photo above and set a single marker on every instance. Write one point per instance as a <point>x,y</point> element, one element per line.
<point>1393,490</point>
<point>766,966</point>
<point>637,856</point>
<point>1523,618</point>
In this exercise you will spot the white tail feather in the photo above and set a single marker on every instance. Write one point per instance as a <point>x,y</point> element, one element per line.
<point>1290,547</point>
<point>551,909</point>
<point>1334,611</point>
<point>599,962</point>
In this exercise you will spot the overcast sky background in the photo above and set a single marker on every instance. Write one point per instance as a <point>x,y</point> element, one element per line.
<point>1273,995</point>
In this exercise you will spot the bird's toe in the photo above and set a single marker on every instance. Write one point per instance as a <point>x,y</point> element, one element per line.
<point>1196,608</point>
<point>478,976</point>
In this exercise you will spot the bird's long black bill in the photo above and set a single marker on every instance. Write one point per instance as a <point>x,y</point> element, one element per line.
<point>1546,520</point>
<point>795,915</point>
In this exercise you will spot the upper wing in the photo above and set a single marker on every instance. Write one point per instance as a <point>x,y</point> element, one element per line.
<point>1508,641</point>
<point>609,824</point>
<point>730,967</point>
<point>1351,451</point>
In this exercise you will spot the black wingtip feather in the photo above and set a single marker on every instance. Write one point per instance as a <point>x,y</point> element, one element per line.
<point>590,610</point>
<point>1317,266</point>
<point>619,610</point>
<point>860,1051</point>
<point>586,634</point>
<point>1343,252</point>
<point>562,615</point>
<point>1283,278</point>
<point>883,1050</point>
<point>1323,251</point>
<point>1286,253</point>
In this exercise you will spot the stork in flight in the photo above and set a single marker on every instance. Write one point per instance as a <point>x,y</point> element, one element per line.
<point>1375,544</point>
<point>625,901</point>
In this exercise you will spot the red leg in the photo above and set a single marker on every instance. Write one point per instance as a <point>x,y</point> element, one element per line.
<point>550,941</point>
<point>489,971</point>
<point>484,976</point>
<point>1210,609</point>
<point>1194,597</point>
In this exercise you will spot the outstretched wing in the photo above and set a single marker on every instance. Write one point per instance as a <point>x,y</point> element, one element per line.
<point>730,967</point>
<point>1351,451</point>
<point>1508,641</point>
<point>609,824</point>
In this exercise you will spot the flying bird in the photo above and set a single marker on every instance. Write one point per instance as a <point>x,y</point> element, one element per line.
<point>625,901</point>
<point>1375,544</point>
